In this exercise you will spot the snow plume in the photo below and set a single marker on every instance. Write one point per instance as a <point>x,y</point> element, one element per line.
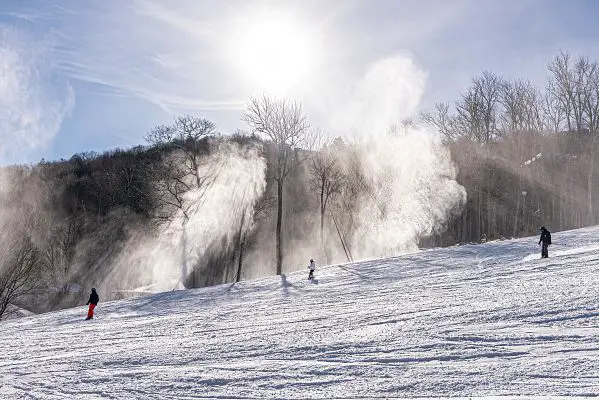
<point>31,108</point>
<point>407,178</point>
<point>408,190</point>
<point>213,222</point>
<point>389,91</point>
<point>239,181</point>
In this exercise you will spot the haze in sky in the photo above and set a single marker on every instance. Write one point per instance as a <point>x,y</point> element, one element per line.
<point>81,76</point>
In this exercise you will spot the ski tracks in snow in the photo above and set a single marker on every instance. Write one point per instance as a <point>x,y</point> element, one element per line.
<point>468,321</point>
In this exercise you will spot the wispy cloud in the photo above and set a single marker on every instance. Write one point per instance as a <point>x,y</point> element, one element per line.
<point>164,53</point>
<point>176,53</point>
<point>32,105</point>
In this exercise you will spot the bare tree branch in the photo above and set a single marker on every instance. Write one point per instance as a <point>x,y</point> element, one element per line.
<point>20,272</point>
<point>285,125</point>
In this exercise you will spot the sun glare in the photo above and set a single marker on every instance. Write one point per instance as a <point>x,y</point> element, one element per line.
<point>273,52</point>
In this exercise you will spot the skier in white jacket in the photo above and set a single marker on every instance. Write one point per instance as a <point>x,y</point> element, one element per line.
<point>311,267</point>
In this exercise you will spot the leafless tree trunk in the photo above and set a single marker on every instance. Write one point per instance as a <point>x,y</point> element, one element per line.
<point>285,125</point>
<point>20,272</point>
<point>60,249</point>
<point>575,87</point>
<point>326,180</point>
<point>261,210</point>
<point>521,108</point>
<point>563,87</point>
<point>187,139</point>
<point>590,177</point>
<point>441,120</point>
<point>554,114</point>
<point>477,109</point>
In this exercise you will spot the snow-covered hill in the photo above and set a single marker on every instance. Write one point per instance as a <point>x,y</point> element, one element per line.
<point>14,312</point>
<point>476,320</point>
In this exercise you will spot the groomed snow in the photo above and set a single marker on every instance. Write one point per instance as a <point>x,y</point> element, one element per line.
<point>471,321</point>
<point>14,312</point>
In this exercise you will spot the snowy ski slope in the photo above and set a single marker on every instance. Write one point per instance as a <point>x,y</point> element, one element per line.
<point>470,321</point>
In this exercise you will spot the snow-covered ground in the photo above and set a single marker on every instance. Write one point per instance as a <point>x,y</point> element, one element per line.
<point>14,312</point>
<point>470,321</point>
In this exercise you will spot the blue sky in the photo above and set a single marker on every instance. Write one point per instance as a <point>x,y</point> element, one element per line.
<point>83,75</point>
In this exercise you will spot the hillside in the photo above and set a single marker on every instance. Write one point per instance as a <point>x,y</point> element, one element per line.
<point>476,320</point>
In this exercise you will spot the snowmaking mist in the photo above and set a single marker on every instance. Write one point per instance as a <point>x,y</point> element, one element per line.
<point>216,213</point>
<point>409,179</point>
<point>411,190</point>
<point>31,113</point>
<point>33,104</point>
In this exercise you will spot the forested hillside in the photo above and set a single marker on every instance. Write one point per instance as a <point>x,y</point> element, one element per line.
<point>526,154</point>
<point>197,207</point>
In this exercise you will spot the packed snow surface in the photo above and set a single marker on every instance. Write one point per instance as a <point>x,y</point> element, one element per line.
<point>13,312</point>
<point>469,321</point>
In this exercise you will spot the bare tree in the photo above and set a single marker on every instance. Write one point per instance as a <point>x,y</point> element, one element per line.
<point>261,209</point>
<point>575,87</point>
<point>186,145</point>
<point>477,109</point>
<point>553,114</point>
<point>441,120</point>
<point>326,179</point>
<point>60,249</point>
<point>563,87</point>
<point>285,125</point>
<point>20,272</point>
<point>180,173</point>
<point>522,107</point>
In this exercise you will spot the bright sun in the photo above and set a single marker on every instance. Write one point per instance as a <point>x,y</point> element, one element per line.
<point>273,52</point>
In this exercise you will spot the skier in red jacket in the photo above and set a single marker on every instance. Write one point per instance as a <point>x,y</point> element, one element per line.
<point>93,302</point>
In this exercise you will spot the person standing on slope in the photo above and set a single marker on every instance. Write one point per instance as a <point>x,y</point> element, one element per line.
<point>93,302</point>
<point>311,267</point>
<point>545,241</point>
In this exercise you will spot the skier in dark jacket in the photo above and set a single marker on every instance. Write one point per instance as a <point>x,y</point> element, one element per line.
<point>311,267</point>
<point>545,241</point>
<point>93,302</point>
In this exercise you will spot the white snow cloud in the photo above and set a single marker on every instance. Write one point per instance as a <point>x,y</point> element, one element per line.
<point>389,91</point>
<point>408,170</point>
<point>413,191</point>
<point>178,246</point>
